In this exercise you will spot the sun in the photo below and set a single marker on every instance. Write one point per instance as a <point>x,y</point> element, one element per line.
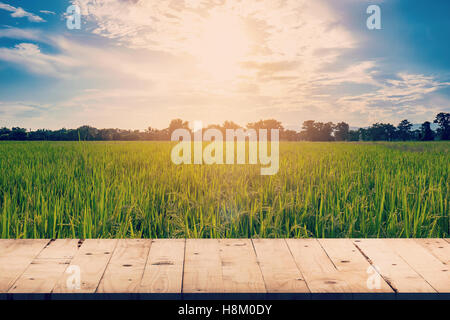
<point>222,44</point>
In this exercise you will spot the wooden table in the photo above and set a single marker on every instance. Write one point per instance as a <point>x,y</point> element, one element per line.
<point>190,268</point>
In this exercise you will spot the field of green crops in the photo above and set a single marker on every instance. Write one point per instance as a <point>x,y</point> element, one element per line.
<point>132,189</point>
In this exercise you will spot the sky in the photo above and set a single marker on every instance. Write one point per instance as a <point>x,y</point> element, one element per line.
<point>140,63</point>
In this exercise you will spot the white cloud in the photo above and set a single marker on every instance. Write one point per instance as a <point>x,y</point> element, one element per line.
<point>47,12</point>
<point>275,31</point>
<point>405,96</point>
<point>30,57</point>
<point>167,59</point>
<point>20,13</point>
<point>10,112</point>
<point>21,34</point>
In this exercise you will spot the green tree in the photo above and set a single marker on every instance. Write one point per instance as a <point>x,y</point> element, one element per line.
<point>426,134</point>
<point>4,133</point>
<point>230,125</point>
<point>87,133</point>
<point>404,130</point>
<point>317,131</point>
<point>18,134</point>
<point>381,132</point>
<point>176,124</point>
<point>342,131</point>
<point>270,124</point>
<point>309,132</point>
<point>443,120</point>
<point>266,124</point>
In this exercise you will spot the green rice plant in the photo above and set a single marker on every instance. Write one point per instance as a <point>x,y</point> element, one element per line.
<point>133,190</point>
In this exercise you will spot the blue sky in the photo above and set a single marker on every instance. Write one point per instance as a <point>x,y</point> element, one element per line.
<point>136,63</point>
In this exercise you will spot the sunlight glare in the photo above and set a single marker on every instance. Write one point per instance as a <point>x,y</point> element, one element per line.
<point>223,43</point>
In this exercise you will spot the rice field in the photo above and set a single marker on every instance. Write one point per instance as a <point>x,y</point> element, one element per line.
<point>132,190</point>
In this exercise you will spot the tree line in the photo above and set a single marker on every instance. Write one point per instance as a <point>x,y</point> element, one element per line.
<point>311,131</point>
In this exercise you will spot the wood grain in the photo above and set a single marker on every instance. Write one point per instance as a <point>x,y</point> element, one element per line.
<point>318,270</point>
<point>438,248</point>
<point>15,257</point>
<point>278,266</point>
<point>178,266</point>
<point>434,271</point>
<point>240,269</point>
<point>356,269</point>
<point>164,268</point>
<point>45,270</point>
<point>392,267</point>
<point>202,267</point>
<point>126,267</point>
<point>91,260</point>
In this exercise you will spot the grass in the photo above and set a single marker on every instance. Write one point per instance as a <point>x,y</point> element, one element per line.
<point>132,190</point>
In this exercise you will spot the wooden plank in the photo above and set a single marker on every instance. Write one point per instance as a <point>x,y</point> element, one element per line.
<point>60,249</point>
<point>229,265</point>
<point>278,266</point>
<point>423,262</point>
<point>164,269</point>
<point>392,267</point>
<point>318,270</point>
<point>15,257</point>
<point>126,267</point>
<point>240,269</point>
<point>358,272</point>
<point>91,260</point>
<point>202,267</point>
<point>438,248</point>
<point>45,270</point>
